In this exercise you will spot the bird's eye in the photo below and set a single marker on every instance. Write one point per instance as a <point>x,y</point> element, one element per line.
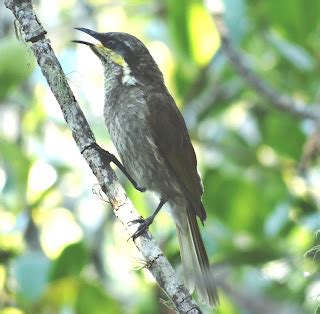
<point>111,43</point>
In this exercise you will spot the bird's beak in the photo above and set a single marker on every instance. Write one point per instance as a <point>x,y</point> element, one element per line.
<point>98,49</point>
<point>93,34</point>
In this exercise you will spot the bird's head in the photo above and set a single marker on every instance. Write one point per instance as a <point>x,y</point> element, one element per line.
<point>125,53</point>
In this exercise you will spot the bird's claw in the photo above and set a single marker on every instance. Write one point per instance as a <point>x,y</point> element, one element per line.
<point>136,221</point>
<point>144,224</point>
<point>139,188</point>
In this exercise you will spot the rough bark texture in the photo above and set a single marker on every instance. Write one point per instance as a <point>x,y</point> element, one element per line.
<point>155,260</point>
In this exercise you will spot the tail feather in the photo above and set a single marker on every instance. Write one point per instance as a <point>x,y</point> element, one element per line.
<point>195,261</point>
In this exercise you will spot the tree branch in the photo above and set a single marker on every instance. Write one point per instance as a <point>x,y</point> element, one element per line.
<point>240,64</point>
<point>156,262</point>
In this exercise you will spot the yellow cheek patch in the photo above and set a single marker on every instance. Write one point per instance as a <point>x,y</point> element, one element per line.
<point>116,58</point>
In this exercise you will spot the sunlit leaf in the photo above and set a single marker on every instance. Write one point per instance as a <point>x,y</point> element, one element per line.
<point>70,262</point>
<point>61,292</point>
<point>11,310</point>
<point>203,35</point>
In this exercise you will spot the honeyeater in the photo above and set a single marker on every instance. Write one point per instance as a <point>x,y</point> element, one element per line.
<point>153,143</point>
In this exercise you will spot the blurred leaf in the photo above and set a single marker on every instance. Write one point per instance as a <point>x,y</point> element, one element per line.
<point>260,253</point>
<point>70,262</point>
<point>93,299</point>
<point>15,65</point>
<point>295,54</point>
<point>6,254</point>
<point>82,296</point>
<point>59,293</point>
<point>226,305</point>
<point>234,201</point>
<point>239,201</point>
<point>295,18</point>
<point>204,37</point>
<point>276,127</point>
<point>18,165</point>
<point>35,116</point>
<point>138,200</point>
<point>277,219</point>
<point>31,272</point>
<point>11,310</point>
<point>177,15</point>
<point>236,19</point>
<point>184,74</point>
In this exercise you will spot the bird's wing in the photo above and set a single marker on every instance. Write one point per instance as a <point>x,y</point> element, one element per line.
<point>173,140</point>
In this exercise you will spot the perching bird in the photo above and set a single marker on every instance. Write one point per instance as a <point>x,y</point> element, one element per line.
<point>153,143</point>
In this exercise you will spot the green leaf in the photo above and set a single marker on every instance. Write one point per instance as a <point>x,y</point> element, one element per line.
<point>93,299</point>
<point>236,18</point>
<point>277,127</point>
<point>15,65</point>
<point>59,293</point>
<point>259,253</point>
<point>177,17</point>
<point>17,166</point>
<point>294,18</point>
<point>70,262</point>
<point>204,38</point>
<point>242,203</point>
<point>31,272</point>
<point>277,220</point>
<point>293,53</point>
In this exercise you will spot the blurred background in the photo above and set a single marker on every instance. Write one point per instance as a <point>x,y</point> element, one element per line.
<point>61,250</point>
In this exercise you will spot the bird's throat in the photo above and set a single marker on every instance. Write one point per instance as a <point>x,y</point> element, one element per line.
<point>127,77</point>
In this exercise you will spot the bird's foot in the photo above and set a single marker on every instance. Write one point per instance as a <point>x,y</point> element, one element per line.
<point>143,227</point>
<point>145,223</point>
<point>112,158</point>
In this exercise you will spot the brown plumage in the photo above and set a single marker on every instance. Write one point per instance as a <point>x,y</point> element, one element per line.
<point>152,140</point>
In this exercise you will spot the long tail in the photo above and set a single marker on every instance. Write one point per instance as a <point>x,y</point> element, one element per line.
<point>195,260</point>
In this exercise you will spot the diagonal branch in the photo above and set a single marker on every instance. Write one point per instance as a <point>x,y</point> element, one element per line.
<point>240,64</point>
<point>156,262</point>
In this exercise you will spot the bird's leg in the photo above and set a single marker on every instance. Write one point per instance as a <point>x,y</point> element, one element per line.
<point>112,158</point>
<point>145,223</point>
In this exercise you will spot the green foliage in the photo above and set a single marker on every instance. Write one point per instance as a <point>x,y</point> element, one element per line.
<point>17,172</point>
<point>15,65</point>
<point>275,128</point>
<point>93,299</point>
<point>31,271</point>
<point>296,19</point>
<point>71,261</point>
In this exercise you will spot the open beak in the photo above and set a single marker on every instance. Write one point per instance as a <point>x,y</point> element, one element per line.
<point>93,34</point>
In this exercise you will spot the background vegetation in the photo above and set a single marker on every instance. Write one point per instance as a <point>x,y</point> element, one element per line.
<point>61,251</point>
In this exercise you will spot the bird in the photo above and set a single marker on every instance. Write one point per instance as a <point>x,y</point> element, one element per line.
<point>152,140</point>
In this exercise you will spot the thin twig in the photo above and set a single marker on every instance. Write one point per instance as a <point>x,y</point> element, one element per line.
<point>159,266</point>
